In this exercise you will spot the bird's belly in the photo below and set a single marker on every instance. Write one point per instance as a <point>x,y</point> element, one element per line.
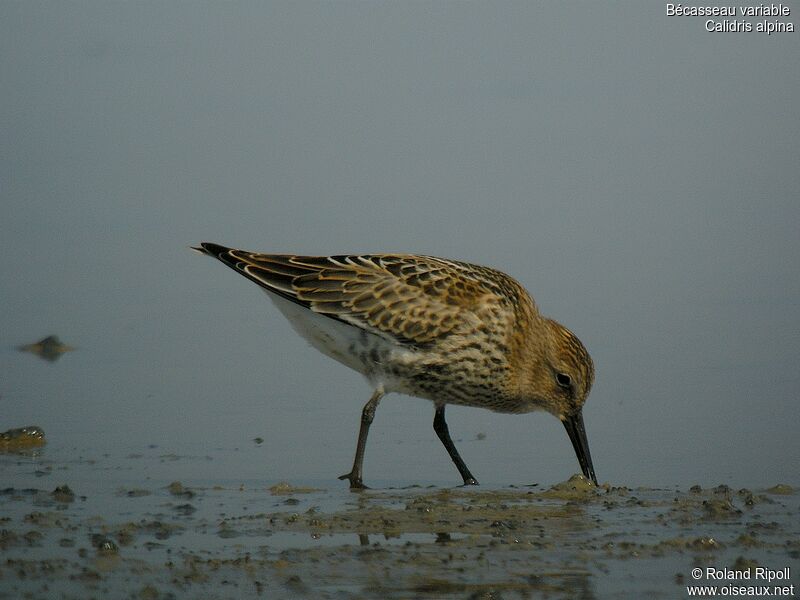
<point>356,348</point>
<point>431,375</point>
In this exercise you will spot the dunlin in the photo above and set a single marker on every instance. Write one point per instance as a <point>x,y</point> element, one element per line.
<point>448,331</point>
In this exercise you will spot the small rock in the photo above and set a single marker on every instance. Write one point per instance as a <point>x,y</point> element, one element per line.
<point>745,564</point>
<point>49,348</point>
<point>176,489</point>
<point>285,489</point>
<point>30,436</point>
<point>185,509</point>
<point>148,592</point>
<point>63,494</point>
<point>104,546</point>
<point>704,543</point>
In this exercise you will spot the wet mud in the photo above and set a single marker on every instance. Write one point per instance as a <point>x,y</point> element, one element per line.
<point>151,540</point>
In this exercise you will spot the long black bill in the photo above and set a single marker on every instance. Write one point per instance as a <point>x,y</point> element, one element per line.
<point>577,435</point>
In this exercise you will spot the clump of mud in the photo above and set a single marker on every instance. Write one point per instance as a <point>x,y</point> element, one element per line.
<point>49,348</point>
<point>285,489</point>
<point>21,439</point>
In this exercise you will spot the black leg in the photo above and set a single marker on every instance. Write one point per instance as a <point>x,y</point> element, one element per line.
<point>440,427</point>
<point>367,415</point>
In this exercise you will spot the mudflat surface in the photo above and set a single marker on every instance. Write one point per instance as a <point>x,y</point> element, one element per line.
<point>78,526</point>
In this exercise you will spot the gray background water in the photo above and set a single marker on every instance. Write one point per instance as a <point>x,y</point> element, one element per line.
<point>638,174</point>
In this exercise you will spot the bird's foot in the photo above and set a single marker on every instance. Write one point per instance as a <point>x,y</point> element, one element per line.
<point>470,481</point>
<point>355,481</point>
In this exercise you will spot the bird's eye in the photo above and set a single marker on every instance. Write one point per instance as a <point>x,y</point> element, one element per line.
<point>563,380</point>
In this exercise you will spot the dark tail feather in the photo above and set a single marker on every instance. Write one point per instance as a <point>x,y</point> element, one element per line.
<point>210,249</point>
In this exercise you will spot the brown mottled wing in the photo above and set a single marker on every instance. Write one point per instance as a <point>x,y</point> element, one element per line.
<point>412,299</point>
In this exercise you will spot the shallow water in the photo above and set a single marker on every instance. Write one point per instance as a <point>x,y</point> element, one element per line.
<point>123,530</point>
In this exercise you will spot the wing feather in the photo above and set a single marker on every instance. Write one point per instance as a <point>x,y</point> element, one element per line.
<point>408,298</point>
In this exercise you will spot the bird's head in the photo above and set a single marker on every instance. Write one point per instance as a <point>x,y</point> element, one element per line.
<point>563,381</point>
